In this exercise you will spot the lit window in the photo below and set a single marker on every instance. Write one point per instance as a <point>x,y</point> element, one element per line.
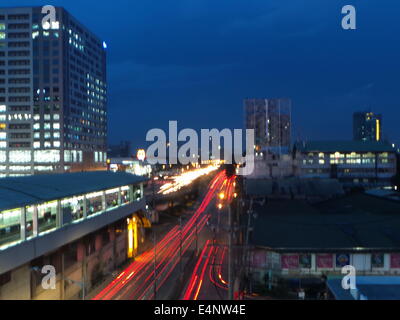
<point>36,135</point>
<point>56,117</point>
<point>47,144</point>
<point>47,135</point>
<point>20,168</point>
<point>56,135</point>
<point>3,144</point>
<point>56,126</point>
<point>36,145</point>
<point>3,136</point>
<point>36,126</point>
<point>3,108</point>
<point>57,144</point>
<point>47,126</point>
<point>43,168</point>
<point>2,26</point>
<point>3,156</point>
<point>2,35</point>
<point>46,25</point>
<point>67,156</point>
<point>18,156</point>
<point>35,34</point>
<point>47,156</point>
<point>46,117</point>
<point>55,25</point>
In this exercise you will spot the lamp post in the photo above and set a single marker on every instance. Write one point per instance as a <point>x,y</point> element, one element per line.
<point>155,266</point>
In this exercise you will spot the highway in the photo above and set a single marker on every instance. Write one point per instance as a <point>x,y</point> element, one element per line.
<point>209,277</point>
<point>145,277</point>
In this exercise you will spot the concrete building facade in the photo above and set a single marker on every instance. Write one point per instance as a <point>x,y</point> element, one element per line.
<point>271,120</point>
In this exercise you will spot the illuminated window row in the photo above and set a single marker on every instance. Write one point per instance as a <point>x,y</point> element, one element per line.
<point>20,224</point>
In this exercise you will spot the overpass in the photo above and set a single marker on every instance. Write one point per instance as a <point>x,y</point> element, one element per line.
<point>72,221</point>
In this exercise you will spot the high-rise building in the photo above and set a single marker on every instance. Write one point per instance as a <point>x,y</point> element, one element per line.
<point>367,126</point>
<point>271,120</point>
<point>53,94</point>
<point>121,150</point>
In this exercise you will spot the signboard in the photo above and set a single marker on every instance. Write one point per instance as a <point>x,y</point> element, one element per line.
<point>290,261</point>
<point>377,260</point>
<point>305,261</point>
<point>395,260</point>
<point>342,259</point>
<point>259,259</point>
<point>324,261</point>
<point>141,154</point>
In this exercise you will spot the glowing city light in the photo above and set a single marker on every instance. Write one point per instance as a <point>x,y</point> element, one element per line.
<point>184,179</point>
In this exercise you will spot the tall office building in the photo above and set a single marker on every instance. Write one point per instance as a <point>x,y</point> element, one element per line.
<point>53,94</point>
<point>271,120</point>
<point>367,126</point>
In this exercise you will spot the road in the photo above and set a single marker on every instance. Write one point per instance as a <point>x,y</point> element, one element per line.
<point>209,277</point>
<point>146,276</point>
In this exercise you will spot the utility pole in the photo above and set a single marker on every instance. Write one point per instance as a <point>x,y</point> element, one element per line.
<point>154,195</point>
<point>84,272</point>
<point>155,265</point>
<point>180,245</point>
<point>83,288</point>
<point>197,236</point>
<point>230,256</point>
<point>62,282</point>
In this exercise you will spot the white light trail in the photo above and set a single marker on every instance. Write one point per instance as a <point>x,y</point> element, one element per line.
<point>185,179</point>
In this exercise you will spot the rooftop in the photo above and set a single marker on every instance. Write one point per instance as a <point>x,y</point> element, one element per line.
<point>17,192</point>
<point>344,146</point>
<point>351,223</point>
<point>294,186</point>
<point>368,287</point>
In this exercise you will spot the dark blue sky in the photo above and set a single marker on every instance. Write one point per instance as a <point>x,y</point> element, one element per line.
<point>195,60</point>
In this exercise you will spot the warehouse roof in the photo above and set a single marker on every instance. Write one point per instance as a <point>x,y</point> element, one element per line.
<point>357,222</point>
<point>17,192</point>
<point>344,146</point>
<point>295,186</point>
<point>368,287</point>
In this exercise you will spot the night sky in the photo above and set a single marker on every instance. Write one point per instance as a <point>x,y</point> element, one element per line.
<point>196,60</point>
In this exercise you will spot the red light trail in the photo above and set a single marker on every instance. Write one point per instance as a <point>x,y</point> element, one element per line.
<point>212,255</point>
<point>137,280</point>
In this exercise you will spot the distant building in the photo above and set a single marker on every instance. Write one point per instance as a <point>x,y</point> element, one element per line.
<point>271,120</point>
<point>367,126</point>
<point>121,150</point>
<point>130,165</point>
<point>53,94</point>
<point>268,164</point>
<point>353,163</point>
